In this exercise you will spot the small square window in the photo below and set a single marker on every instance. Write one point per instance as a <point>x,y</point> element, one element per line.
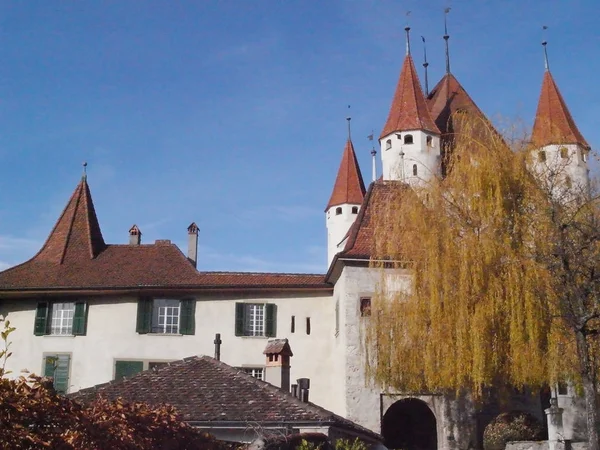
<point>365,306</point>
<point>256,372</point>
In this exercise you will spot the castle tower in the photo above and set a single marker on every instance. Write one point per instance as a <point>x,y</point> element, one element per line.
<point>410,140</point>
<point>345,201</point>
<point>560,150</point>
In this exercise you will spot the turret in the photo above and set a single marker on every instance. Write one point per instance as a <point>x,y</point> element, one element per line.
<point>410,140</point>
<point>560,150</point>
<point>345,201</point>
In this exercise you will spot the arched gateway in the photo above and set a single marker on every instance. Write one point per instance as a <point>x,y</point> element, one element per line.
<point>409,424</point>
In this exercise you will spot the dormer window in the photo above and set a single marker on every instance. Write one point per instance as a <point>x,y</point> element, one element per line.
<point>388,144</point>
<point>355,210</point>
<point>338,210</point>
<point>564,153</point>
<point>415,170</point>
<point>542,156</point>
<point>429,141</point>
<point>408,138</point>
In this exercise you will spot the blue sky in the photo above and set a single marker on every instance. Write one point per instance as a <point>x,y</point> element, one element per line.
<point>232,113</point>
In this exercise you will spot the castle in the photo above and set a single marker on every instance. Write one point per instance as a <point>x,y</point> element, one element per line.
<point>87,312</point>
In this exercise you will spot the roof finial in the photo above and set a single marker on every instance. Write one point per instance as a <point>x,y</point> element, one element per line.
<point>425,65</point>
<point>446,38</point>
<point>373,155</point>
<point>84,177</point>
<point>407,29</point>
<point>544,43</point>
<point>349,119</point>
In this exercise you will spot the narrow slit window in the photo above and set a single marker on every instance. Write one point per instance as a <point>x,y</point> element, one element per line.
<point>564,153</point>
<point>308,325</point>
<point>293,324</point>
<point>415,170</point>
<point>408,138</point>
<point>365,306</point>
<point>429,141</point>
<point>583,156</point>
<point>388,144</point>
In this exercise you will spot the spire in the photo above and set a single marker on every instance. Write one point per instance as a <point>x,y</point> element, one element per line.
<point>349,186</point>
<point>553,121</point>
<point>409,109</point>
<point>446,38</point>
<point>76,234</point>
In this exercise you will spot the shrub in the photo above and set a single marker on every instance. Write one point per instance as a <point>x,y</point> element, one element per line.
<point>511,426</point>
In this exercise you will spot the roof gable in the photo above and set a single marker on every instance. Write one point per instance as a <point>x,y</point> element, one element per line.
<point>349,187</point>
<point>408,110</point>
<point>553,121</point>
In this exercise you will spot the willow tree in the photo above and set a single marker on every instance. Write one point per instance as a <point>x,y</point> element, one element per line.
<point>505,278</point>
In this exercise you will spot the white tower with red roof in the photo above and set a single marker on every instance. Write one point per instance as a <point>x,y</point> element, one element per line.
<point>560,150</point>
<point>345,201</point>
<point>410,140</point>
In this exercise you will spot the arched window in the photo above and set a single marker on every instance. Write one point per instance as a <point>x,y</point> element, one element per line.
<point>429,141</point>
<point>388,144</point>
<point>414,170</point>
<point>338,210</point>
<point>355,210</point>
<point>542,156</point>
<point>564,153</point>
<point>408,138</point>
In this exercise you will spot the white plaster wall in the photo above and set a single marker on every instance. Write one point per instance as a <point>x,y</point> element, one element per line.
<point>427,158</point>
<point>575,166</point>
<point>111,335</point>
<point>574,414</point>
<point>337,227</point>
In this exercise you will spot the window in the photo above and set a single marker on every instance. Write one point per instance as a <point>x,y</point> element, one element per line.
<point>293,325</point>
<point>308,325</point>
<point>583,155</point>
<point>564,153</point>
<point>542,156</point>
<point>166,316</point>
<point>562,389</point>
<point>256,372</point>
<point>60,318</point>
<point>157,365</point>
<point>338,210</point>
<point>568,182</point>
<point>130,368</point>
<point>408,138</point>
<point>365,306</point>
<point>388,144</point>
<point>414,170</point>
<point>255,319</point>
<point>56,366</point>
<point>429,141</point>
<point>355,210</point>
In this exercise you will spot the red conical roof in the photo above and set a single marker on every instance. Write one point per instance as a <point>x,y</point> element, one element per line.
<point>349,186</point>
<point>553,121</point>
<point>409,110</point>
<point>76,234</point>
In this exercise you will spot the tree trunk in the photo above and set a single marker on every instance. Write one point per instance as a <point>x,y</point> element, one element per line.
<point>589,389</point>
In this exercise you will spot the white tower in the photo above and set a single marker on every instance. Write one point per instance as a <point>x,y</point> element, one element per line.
<point>410,140</point>
<point>560,150</point>
<point>345,201</point>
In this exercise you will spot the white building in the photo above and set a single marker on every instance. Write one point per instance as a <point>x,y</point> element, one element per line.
<point>88,312</point>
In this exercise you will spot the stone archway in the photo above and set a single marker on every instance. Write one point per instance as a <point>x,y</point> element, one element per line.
<point>409,424</point>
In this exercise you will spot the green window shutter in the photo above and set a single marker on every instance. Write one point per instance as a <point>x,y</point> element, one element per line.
<point>50,362</point>
<point>80,319</point>
<point>187,316</point>
<point>127,368</point>
<point>57,367</point>
<point>40,326</point>
<point>144,315</point>
<point>271,320</point>
<point>240,318</point>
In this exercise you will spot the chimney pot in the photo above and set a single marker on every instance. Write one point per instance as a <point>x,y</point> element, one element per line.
<point>193,243</point>
<point>277,370</point>
<point>135,235</point>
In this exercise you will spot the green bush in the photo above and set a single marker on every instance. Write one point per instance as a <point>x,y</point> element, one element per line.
<point>511,426</point>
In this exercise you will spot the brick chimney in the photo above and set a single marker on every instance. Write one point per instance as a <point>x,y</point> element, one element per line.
<point>277,371</point>
<point>135,235</point>
<point>193,243</point>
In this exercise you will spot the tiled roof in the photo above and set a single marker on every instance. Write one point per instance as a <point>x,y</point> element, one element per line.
<point>75,257</point>
<point>203,389</point>
<point>447,98</point>
<point>349,187</point>
<point>381,194</point>
<point>553,121</point>
<point>409,110</point>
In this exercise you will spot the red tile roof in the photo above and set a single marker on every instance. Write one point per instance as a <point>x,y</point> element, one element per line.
<point>349,187</point>
<point>409,110</point>
<point>381,194</point>
<point>447,98</point>
<point>553,121</point>
<point>75,257</point>
<point>208,392</point>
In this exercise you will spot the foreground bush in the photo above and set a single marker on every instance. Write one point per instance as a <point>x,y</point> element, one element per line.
<point>511,426</point>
